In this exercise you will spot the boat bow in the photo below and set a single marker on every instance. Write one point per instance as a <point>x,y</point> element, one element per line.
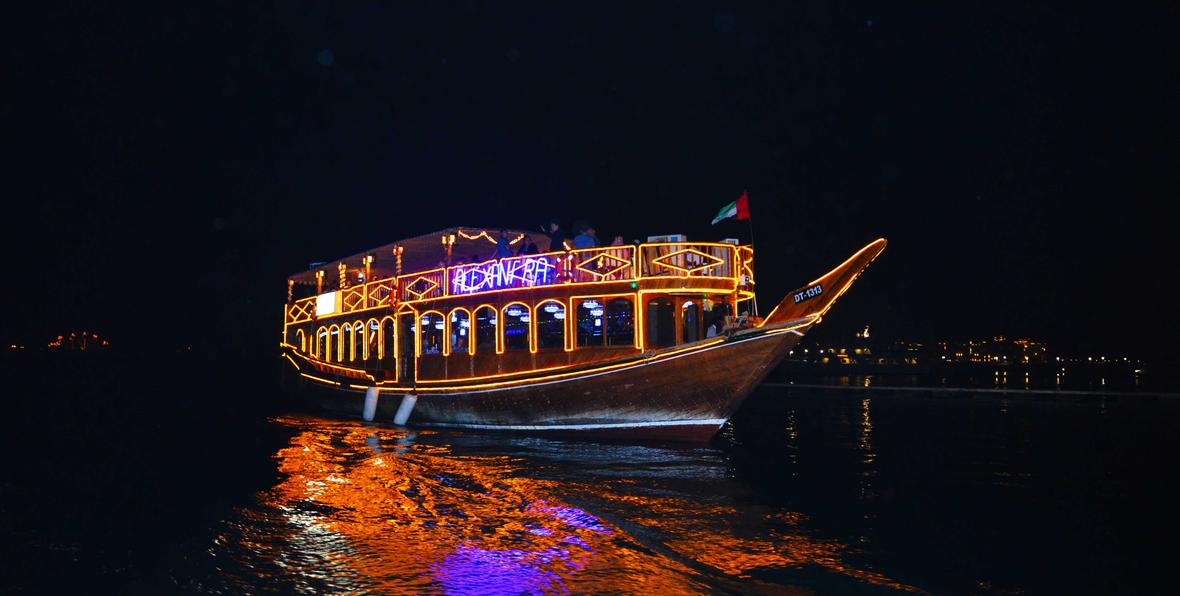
<point>814,299</point>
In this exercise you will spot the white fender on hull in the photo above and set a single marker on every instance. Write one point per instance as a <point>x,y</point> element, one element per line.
<point>406,407</point>
<point>370,411</point>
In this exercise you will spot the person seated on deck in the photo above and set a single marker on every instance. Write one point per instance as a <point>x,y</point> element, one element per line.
<point>743,320</point>
<point>730,325</point>
<point>527,246</point>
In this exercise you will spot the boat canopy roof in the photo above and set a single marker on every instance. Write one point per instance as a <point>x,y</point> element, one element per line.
<point>426,251</point>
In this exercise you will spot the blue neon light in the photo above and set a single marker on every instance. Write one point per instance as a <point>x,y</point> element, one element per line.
<point>520,272</point>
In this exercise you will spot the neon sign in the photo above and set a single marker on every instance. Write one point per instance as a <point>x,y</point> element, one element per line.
<point>505,273</point>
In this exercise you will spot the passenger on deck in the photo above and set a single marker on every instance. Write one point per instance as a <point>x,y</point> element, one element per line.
<point>503,246</point>
<point>527,246</point>
<point>618,241</point>
<point>556,235</point>
<point>585,237</point>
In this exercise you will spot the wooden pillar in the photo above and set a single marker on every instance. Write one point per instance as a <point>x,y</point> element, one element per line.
<point>678,318</point>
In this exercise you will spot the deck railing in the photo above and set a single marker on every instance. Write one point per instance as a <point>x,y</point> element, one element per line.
<point>684,259</point>
<point>603,264</point>
<point>422,286</point>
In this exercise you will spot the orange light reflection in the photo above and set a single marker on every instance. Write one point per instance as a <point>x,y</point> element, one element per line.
<point>364,508</point>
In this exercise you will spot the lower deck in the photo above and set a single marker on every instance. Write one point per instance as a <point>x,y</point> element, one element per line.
<point>428,344</point>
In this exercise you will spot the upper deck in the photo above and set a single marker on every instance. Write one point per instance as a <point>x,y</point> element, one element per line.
<point>686,266</point>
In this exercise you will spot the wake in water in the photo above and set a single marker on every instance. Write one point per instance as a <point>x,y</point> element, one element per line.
<point>364,507</point>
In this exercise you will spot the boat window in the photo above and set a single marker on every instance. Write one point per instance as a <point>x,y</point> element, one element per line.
<point>661,323</point>
<point>516,327</point>
<point>620,322</point>
<point>485,329</point>
<point>550,325</point>
<point>590,314</point>
<point>321,344</point>
<point>430,333</point>
<point>690,314</point>
<point>358,341</point>
<point>333,344</point>
<point>345,340</point>
<point>460,331</point>
<point>374,332</point>
<point>302,340</point>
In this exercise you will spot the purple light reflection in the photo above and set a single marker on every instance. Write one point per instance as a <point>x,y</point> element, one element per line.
<point>471,569</point>
<point>572,516</point>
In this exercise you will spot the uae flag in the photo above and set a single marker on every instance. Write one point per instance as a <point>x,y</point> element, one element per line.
<point>739,209</point>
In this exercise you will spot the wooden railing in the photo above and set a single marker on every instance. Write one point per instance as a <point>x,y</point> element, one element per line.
<point>686,259</point>
<point>601,264</point>
<point>422,286</point>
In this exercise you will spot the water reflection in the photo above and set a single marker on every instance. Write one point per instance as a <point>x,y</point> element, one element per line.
<point>364,508</point>
<point>868,457</point>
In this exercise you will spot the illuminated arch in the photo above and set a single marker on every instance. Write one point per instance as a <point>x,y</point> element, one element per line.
<point>321,343</point>
<point>520,321</point>
<point>372,336</point>
<point>345,340</point>
<point>493,327</point>
<point>549,318</point>
<point>464,332</point>
<point>357,342</point>
<point>431,330</point>
<point>620,321</point>
<point>381,335</point>
<point>333,345</point>
<point>302,340</point>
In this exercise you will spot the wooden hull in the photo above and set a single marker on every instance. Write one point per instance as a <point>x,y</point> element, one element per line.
<point>685,393</point>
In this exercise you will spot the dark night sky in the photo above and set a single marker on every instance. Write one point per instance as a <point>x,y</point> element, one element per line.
<point>167,165</point>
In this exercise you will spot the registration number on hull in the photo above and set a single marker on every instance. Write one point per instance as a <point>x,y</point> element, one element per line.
<point>809,293</point>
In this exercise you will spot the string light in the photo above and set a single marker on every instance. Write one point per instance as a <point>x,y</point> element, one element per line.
<point>484,234</point>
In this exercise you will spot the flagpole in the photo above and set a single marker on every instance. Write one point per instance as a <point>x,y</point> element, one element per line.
<point>750,223</point>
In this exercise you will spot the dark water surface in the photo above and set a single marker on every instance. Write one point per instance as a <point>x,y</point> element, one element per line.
<point>154,485</point>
